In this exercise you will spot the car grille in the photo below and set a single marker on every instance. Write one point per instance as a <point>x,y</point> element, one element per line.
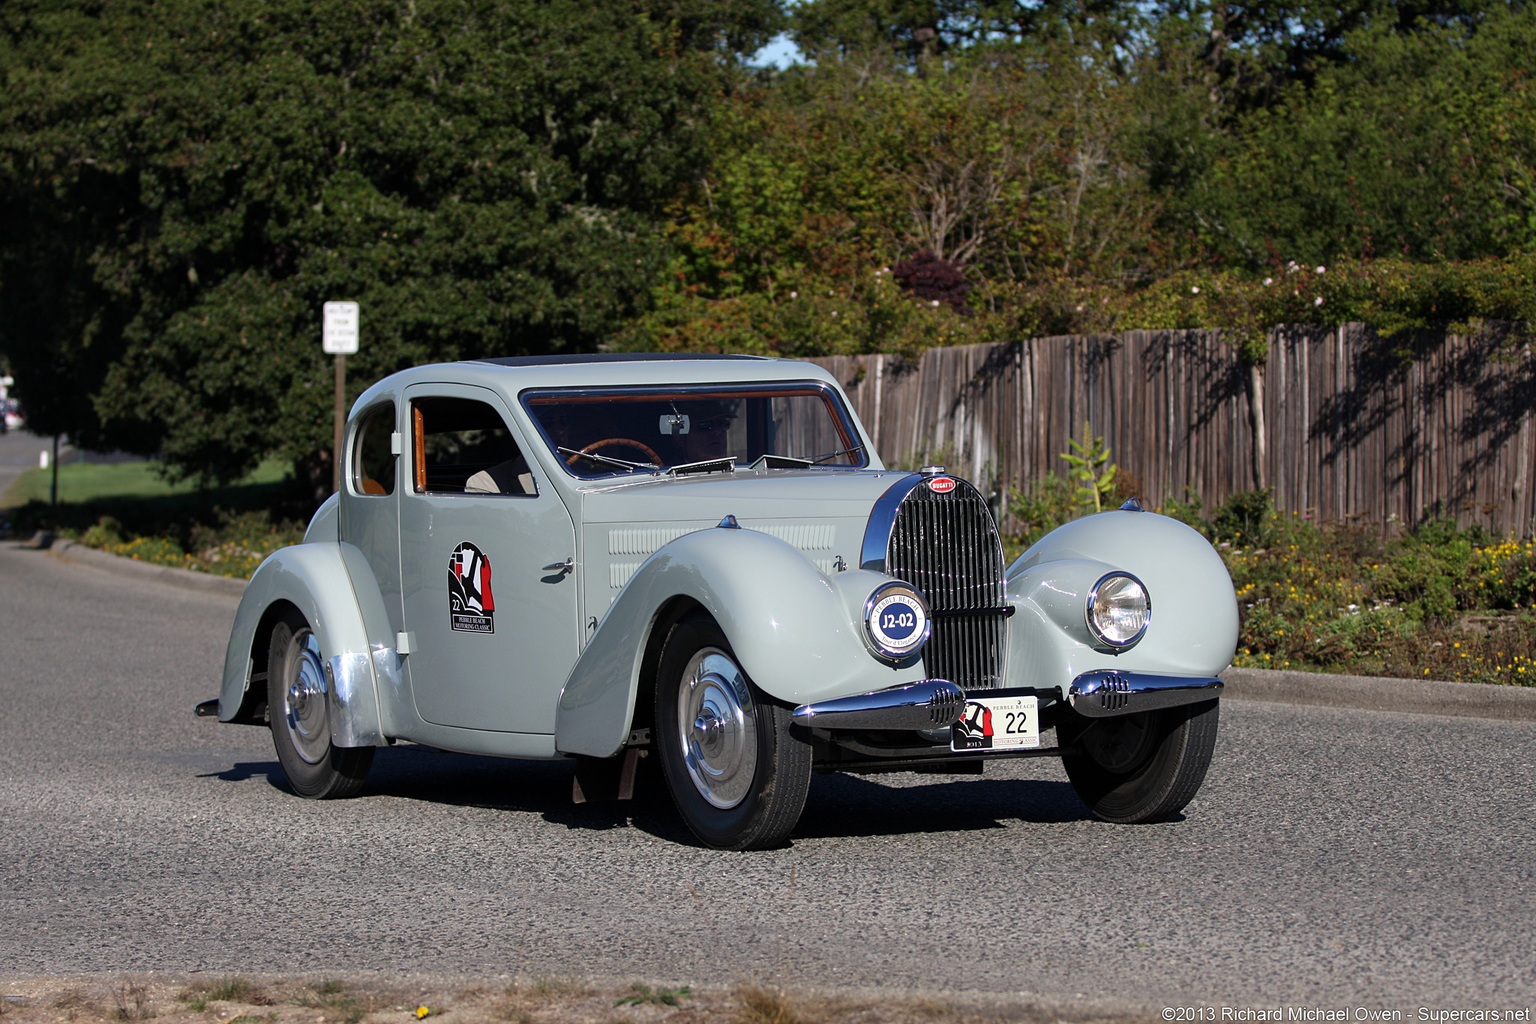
<point>946,545</point>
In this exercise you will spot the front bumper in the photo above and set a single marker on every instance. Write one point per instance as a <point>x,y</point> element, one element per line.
<point>928,704</point>
<point>1107,693</point>
<point>938,703</point>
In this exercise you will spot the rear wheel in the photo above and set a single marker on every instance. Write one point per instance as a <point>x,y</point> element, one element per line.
<point>738,775</point>
<point>1143,767</point>
<point>297,704</point>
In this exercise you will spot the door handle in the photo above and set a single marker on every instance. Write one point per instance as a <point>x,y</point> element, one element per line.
<point>561,567</point>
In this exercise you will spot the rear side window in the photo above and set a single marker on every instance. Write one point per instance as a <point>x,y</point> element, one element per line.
<point>461,446</point>
<point>373,459</point>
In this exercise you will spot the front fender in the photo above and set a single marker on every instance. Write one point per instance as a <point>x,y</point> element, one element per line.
<point>318,580</point>
<point>1193,629</point>
<point>796,631</point>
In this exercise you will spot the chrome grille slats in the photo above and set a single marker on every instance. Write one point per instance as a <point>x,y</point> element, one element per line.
<point>947,546</point>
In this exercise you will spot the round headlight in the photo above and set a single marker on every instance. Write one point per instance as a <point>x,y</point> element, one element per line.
<point>1119,609</point>
<point>896,620</point>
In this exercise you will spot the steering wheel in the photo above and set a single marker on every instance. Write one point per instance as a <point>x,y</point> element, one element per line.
<point>619,442</point>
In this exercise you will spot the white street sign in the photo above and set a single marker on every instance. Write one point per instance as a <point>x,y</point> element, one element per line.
<point>339,334</point>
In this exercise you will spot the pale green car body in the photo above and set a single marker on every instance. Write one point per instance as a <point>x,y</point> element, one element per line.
<point>591,568</point>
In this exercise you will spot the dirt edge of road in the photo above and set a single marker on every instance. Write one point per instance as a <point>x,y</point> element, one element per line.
<point>72,551</point>
<point>404,999</point>
<point>1371,693</point>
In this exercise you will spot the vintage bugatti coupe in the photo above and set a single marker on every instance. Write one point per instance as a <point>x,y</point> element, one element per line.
<point>592,557</point>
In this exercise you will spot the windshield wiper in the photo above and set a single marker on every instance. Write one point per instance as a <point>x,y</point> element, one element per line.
<point>819,459</point>
<point>796,462</point>
<point>610,460</point>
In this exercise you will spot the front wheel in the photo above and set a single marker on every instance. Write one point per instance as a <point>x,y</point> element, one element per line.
<point>738,775</point>
<point>1143,767</point>
<point>297,688</point>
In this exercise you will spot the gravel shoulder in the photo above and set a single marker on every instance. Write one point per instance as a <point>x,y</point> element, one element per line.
<point>395,999</point>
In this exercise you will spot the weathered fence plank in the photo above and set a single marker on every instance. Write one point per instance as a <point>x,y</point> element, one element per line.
<point>1354,428</point>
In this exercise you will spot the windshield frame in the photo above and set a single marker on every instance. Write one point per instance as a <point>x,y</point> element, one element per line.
<point>837,409</point>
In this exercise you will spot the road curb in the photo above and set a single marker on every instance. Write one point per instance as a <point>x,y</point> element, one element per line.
<point>1370,693</point>
<point>71,551</point>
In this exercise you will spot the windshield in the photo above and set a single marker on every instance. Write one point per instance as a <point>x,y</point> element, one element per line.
<point>601,432</point>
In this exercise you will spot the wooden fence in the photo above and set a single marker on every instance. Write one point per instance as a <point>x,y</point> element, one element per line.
<point>1353,427</point>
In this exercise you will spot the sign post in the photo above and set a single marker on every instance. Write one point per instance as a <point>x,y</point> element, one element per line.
<point>338,336</point>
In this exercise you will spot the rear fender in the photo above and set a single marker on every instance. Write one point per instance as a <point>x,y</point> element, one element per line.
<point>796,631</point>
<point>333,588</point>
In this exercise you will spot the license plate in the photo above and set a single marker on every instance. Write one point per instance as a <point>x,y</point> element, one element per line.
<point>997,723</point>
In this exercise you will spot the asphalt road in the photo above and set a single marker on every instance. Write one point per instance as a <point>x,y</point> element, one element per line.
<point>1334,858</point>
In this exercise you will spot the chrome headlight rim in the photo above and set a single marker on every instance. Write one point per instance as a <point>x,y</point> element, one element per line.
<point>884,599</point>
<point>1094,629</point>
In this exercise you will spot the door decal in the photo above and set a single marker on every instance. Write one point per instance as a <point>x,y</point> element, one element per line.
<point>471,608</point>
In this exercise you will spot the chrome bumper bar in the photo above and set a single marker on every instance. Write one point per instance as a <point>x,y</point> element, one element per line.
<point>937,703</point>
<point>1104,694</point>
<point>929,704</point>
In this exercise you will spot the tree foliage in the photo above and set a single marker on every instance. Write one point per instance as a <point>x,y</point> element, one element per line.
<point>1101,167</point>
<point>196,177</point>
<point>184,182</point>
<point>1017,164</point>
<point>1421,146</point>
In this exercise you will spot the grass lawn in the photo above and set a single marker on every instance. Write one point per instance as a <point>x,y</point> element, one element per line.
<point>83,482</point>
<point>129,509</point>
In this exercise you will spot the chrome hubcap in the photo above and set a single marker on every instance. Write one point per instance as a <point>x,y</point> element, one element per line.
<point>717,728</point>
<point>304,698</point>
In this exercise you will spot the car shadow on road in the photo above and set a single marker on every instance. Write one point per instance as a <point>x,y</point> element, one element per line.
<point>839,806</point>
<point>856,805</point>
<point>243,771</point>
<point>539,787</point>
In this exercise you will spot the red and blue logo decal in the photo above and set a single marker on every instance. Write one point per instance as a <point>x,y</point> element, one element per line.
<point>471,608</point>
<point>974,730</point>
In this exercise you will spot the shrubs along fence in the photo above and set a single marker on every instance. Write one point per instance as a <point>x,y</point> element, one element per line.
<point>1350,425</point>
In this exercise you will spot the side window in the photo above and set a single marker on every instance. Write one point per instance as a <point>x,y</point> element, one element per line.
<point>461,446</point>
<point>373,463</point>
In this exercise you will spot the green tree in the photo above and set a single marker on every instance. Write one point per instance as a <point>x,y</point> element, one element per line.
<point>914,29</point>
<point>1018,163</point>
<point>1250,49</point>
<point>1418,145</point>
<point>59,328</point>
<point>484,178</point>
